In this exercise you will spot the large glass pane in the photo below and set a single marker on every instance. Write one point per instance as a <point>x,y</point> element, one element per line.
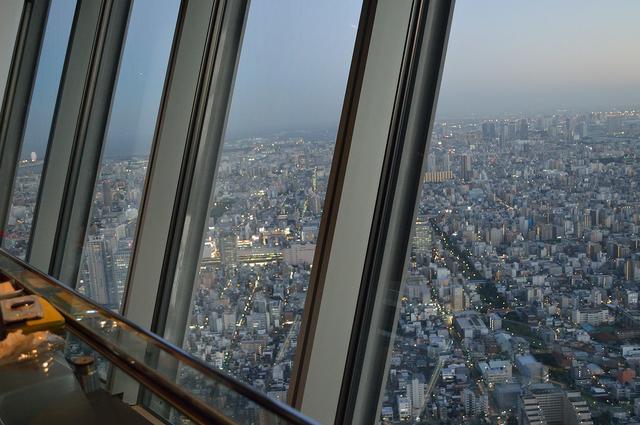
<point>150,357</point>
<point>265,211</point>
<point>10,11</point>
<point>123,168</point>
<point>520,301</point>
<point>38,125</point>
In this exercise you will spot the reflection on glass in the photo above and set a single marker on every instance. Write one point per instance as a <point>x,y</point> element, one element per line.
<point>118,192</point>
<point>267,203</point>
<point>149,355</point>
<point>522,286</point>
<point>38,125</point>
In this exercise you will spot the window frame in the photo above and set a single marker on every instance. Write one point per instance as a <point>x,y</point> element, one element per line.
<point>362,248</point>
<point>10,32</point>
<point>207,42</point>
<point>77,133</point>
<point>88,148</point>
<point>345,388</point>
<point>395,212</point>
<point>17,97</point>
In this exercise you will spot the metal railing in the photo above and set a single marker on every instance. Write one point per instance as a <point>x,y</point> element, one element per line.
<point>67,301</point>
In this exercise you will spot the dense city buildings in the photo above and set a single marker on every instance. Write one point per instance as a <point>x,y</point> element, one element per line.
<point>522,284</point>
<point>478,261</point>
<point>538,227</point>
<point>109,241</point>
<point>257,257</point>
<point>25,192</point>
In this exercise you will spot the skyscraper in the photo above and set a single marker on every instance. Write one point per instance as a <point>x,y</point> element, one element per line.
<point>457,298</point>
<point>523,129</point>
<point>99,279</point>
<point>121,265</point>
<point>228,246</point>
<point>466,171</point>
<point>107,194</point>
<point>422,240</point>
<point>488,130</point>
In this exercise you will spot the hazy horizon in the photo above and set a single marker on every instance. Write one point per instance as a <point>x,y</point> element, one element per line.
<point>504,57</point>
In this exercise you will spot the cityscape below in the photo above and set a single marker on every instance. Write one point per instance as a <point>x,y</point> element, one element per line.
<point>520,303</point>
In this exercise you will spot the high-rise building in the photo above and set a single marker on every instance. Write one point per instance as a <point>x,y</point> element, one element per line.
<point>446,162</point>
<point>404,407</point>
<point>121,258</point>
<point>416,393</point>
<point>431,162</point>
<point>488,130</point>
<point>596,296</point>
<point>422,240</point>
<point>546,404</point>
<point>457,298</point>
<point>99,277</point>
<point>228,246</point>
<point>107,193</point>
<point>466,170</point>
<point>474,402</point>
<point>523,129</point>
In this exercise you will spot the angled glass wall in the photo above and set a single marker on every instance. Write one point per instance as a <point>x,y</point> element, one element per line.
<point>119,187</point>
<point>17,232</point>
<point>9,26</point>
<point>259,243</point>
<point>520,291</point>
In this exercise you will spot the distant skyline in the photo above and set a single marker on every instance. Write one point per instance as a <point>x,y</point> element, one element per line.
<point>294,66</point>
<point>504,57</point>
<point>516,56</point>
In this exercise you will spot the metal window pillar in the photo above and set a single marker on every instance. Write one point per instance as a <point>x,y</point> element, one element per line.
<point>395,212</point>
<point>77,133</point>
<point>342,356</point>
<point>191,210</point>
<point>85,162</point>
<point>10,19</point>
<point>187,143</point>
<point>17,96</point>
<point>348,216</point>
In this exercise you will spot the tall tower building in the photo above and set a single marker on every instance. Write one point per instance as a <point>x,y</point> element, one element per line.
<point>422,240</point>
<point>488,130</point>
<point>628,269</point>
<point>457,298</point>
<point>416,393</point>
<point>446,162</point>
<point>596,296</point>
<point>121,259</point>
<point>99,284</point>
<point>107,193</point>
<point>228,246</point>
<point>314,180</point>
<point>431,161</point>
<point>475,403</point>
<point>523,129</point>
<point>466,171</point>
